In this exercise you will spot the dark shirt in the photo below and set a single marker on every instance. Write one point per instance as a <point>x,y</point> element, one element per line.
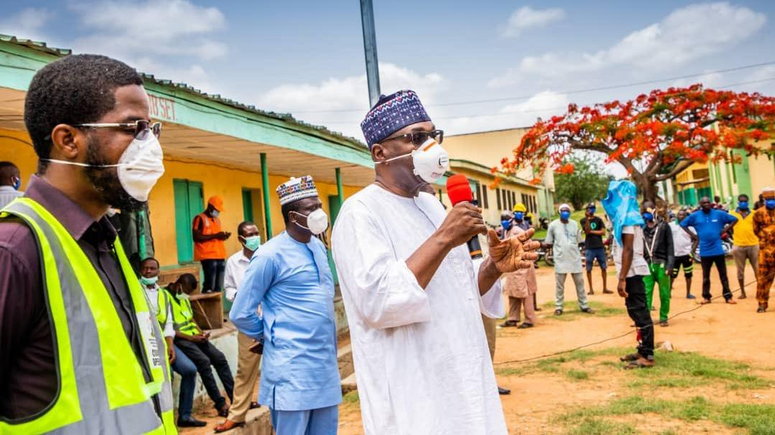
<point>659,250</point>
<point>593,241</point>
<point>28,380</point>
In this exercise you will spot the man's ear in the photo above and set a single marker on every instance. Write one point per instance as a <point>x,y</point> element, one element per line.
<point>66,142</point>
<point>377,152</point>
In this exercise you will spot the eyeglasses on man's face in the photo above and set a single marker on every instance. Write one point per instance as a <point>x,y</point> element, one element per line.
<point>417,138</point>
<point>139,128</point>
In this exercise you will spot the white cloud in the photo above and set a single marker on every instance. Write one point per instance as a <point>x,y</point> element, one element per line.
<point>305,100</point>
<point>26,24</point>
<point>686,34</point>
<point>528,18</point>
<point>152,27</point>
<point>541,105</point>
<point>311,103</point>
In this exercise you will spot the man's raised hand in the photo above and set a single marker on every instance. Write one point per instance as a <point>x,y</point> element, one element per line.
<point>513,253</point>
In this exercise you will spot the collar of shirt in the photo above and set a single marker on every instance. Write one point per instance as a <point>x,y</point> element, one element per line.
<point>7,189</point>
<point>75,220</point>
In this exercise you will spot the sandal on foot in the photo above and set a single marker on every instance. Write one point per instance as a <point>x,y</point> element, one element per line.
<point>742,296</point>
<point>705,302</point>
<point>608,292</point>
<point>663,323</point>
<point>525,325</point>
<point>640,363</point>
<point>690,296</point>
<point>731,301</point>
<point>761,310</point>
<point>630,357</point>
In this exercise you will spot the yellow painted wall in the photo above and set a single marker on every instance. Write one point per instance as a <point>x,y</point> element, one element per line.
<point>762,172</point>
<point>487,148</point>
<point>16,147</point>
<point>492,213</point>
<point>216,180</point>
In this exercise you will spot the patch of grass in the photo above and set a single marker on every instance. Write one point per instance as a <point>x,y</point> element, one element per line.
<point>572,311</point>
<point>579,375</point>
<point>599,426</point>
<point>686,369</point>
<point>351,397</point>
<point>757,419</point>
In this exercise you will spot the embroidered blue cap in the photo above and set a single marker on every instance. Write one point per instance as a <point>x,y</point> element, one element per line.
<point>392,113</point>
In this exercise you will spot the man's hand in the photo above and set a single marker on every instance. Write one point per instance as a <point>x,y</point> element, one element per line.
<point>223,235</point>
<point>198,338</point>
<point>462,223</point>
<point>171,354</point>
<point>622,287</point>
<point>513,253</point>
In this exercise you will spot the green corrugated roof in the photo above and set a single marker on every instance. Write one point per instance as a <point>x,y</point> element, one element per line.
<point>324,132</point>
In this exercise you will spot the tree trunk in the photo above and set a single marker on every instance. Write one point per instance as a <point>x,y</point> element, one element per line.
<point>647,186</point>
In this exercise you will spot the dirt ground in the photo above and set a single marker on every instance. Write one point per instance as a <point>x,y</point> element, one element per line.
<point>718,330</point>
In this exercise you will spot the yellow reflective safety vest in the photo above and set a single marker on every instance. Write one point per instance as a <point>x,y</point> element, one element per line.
<point>162,303</point>
<point>183,316</point>
<point>102,386</point>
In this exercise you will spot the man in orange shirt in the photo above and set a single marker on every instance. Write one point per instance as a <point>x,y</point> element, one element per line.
<point>209,249</point>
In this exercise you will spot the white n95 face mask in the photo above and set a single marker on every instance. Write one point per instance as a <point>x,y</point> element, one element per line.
<point>139,167</point>
<point>430,160</point>
<point>317,221</point>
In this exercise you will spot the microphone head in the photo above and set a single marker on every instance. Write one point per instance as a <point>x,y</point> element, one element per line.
<point>458,189</point>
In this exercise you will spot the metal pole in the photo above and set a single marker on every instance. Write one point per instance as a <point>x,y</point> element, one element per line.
<point>370,49</point>
<point>265,188</point>
<point>339,186</point>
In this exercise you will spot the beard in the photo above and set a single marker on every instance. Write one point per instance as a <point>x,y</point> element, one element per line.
<point>105,180</point>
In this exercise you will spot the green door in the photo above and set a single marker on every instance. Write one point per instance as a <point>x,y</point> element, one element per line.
<point>189,202</point>
<point>247,205</point>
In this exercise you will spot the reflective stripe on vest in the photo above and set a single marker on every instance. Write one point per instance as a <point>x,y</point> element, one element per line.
<point>183,316</point>
<point>101,388</point>
<point>161,304</point>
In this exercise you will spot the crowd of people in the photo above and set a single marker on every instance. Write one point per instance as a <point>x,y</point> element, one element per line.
<point>88,343</point>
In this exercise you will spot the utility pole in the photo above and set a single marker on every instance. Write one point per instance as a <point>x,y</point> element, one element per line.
<point>370,49</point>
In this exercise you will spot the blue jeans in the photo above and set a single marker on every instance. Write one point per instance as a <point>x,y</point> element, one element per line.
<point>187,371</point>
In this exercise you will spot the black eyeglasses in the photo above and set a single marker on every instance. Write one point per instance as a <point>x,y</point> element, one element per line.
<point>138,128</point>
<point>419,137</point>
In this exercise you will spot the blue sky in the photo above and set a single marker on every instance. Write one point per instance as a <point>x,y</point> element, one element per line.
<point>306,57</point>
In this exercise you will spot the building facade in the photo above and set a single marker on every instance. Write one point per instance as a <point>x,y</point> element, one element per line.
<point>475,154</point>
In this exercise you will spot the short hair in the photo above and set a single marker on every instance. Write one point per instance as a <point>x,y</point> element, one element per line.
<point>76,89</point>
<point>288,208</point>
<point>7,170</point>
<point>743,195</point>
<point>144,260</point>
<point>243,225</point>
<point>187,279</point>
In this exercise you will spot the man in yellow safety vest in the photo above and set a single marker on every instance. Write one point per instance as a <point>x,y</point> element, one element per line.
<point>80,352</point>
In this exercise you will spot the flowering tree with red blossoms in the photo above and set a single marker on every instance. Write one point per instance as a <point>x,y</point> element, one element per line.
<point>654,136</point>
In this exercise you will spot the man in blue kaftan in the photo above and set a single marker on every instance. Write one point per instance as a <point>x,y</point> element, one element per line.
<point>290,278</point>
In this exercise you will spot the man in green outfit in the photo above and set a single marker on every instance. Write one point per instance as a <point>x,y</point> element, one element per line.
<point>660,256</point>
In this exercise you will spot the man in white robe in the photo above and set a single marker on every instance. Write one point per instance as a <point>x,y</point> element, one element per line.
<point>412,294</point>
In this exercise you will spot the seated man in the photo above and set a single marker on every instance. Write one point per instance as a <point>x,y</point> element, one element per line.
<point>159,303</point>
<point>196,345</point>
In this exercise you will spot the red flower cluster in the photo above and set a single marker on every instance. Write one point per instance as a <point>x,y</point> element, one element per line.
<point>666,130</point>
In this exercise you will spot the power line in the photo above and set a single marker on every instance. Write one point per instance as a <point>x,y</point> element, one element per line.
<point>570,92</point>
<point>563,352</point>
<point>548,109</point>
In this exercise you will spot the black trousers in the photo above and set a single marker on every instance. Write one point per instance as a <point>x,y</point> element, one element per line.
<point>640,314</point>
<point>213,271</point>
<point>204,355</point>
<point>721,265</point>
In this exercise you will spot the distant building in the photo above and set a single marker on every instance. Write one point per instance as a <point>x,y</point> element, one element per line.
<point>475,154</point>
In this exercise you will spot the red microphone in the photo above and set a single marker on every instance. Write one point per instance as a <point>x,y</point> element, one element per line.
<point>459,190</point>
